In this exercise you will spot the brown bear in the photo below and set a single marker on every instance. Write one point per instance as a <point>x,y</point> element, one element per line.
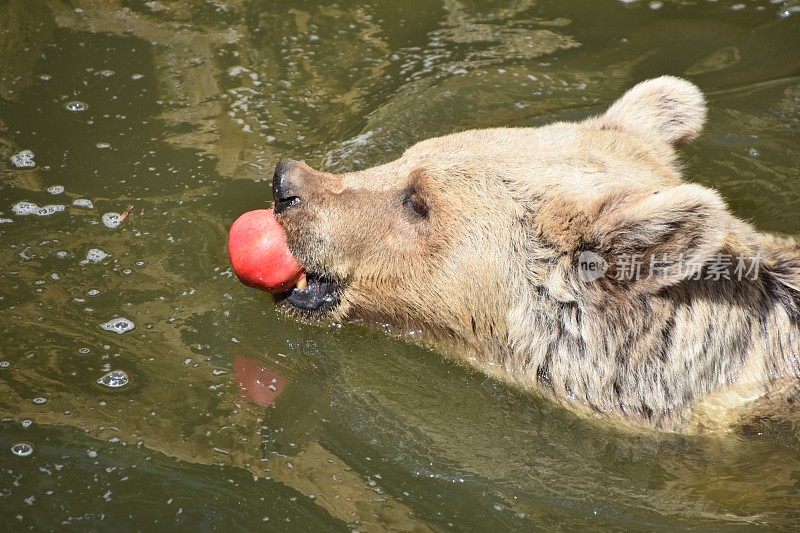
<point>569,259</point>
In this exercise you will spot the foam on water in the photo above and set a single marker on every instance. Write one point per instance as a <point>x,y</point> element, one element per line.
<point>114,379</point>
<point>83,202</point>
<point>39,400</point>
<point>48,210</point>
<point>23,159</point>
<point>118,325</point>
<point>5,221</point>
<point>56,189</point>
<point>24,208</point>
<point>22,449</point>
<point>29,208</point>
<point>95,255</point>
<point>4,364</point>
<point>76,105</point>
<point>111,220</point>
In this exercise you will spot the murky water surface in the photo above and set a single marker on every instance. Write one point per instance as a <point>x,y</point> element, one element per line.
<point>233,415</point>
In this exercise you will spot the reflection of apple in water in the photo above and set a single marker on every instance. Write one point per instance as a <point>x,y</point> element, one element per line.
<point>262,384</point>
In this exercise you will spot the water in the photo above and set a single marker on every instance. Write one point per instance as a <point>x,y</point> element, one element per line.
<point>236,415</point>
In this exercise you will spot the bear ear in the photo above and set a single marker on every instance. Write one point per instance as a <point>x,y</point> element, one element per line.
<point>669,108</point>
<point>647,241</point>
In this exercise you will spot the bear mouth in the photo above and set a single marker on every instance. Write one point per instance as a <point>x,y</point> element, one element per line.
<point>314,294</point>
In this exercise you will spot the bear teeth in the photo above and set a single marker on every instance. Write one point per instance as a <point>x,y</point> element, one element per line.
<point>302,283</point>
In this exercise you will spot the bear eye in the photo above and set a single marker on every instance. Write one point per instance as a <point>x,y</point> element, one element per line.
<point>413,201</point>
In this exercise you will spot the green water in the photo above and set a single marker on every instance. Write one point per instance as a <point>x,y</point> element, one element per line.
<point>196,102</point>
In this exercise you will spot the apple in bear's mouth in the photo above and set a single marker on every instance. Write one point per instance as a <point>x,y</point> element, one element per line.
<point>261,258</point>
<point>259,254</point>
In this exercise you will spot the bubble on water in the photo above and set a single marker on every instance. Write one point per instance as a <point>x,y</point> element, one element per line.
<point>93,292</point>
<point>5,364</point>
<point>111,220</point>
<point>656,5</point>
<point>738,7</point>
<point>39,400</point>
<point>55,276</point>
<point>23,159</point>
<point>137,76</point>
<point>45,77</point>
<point>95,255</point>
<point>788,10</point>
<point>752,152</point>
<point>76,105</point>
<point>114,379</point>
<point>5,221</point>
<point>47,210</point>
<point>84,350</point>
<point>56,189</point>
<point>27,423</point>
<point>103,145</point>
<point>107,73</point>
<point>83,202</point>
<point>61,254</point>
<point>24,208</point>
<point>118,325</point>
<point>127,272</point>
<point>22,449</point>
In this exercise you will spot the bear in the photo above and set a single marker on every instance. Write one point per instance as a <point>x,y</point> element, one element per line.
<point>570,260</point>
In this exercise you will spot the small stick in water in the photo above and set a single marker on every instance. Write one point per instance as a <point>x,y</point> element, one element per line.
<point>125,214</point>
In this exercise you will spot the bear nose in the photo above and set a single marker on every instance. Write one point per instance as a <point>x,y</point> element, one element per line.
<point>284,187</point>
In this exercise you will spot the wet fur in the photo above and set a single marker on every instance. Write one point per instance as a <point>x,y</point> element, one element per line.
<point>488,271</point>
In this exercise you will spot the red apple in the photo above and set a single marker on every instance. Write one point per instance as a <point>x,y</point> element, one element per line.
<point>259,253</point>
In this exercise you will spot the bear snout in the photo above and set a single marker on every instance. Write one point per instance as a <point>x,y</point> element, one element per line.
<point>295,183</point>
